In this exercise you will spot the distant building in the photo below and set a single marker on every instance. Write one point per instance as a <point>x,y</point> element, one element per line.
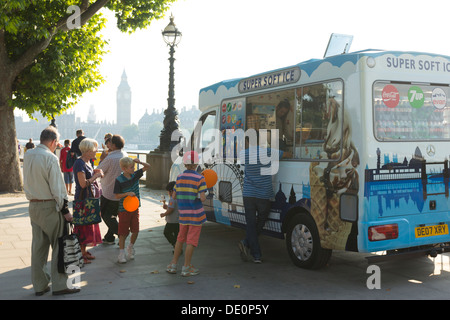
<point>144,125</point>
<point>92,118</point>
<point>148,125</point>
<point>123,103</point>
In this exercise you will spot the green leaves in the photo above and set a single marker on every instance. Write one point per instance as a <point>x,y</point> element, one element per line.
<point>68,66</point>
<point>66,69</point>
<point>137,14</point>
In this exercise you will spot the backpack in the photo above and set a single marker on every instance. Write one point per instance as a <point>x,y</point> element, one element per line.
<point>70,160</point>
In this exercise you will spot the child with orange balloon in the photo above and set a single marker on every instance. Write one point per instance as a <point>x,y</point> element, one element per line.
<point>210,177</point>
<point>126,189</point>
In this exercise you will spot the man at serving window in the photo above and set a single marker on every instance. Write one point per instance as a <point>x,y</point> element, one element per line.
<point>285,123</point>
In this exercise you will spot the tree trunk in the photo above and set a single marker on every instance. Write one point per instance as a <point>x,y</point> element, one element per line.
<point>10,173</point>
<point>11,176</point>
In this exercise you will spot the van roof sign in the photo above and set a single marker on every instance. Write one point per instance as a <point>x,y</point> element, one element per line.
<point>338,44</point>
<point>270,80</point>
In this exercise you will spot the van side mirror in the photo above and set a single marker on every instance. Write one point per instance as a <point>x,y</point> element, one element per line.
<point>182,145</point>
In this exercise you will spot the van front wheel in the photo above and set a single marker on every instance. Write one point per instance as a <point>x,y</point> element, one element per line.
<point>303,243</point>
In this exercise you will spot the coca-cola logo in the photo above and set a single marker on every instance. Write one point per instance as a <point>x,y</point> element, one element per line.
<point>390,96</point>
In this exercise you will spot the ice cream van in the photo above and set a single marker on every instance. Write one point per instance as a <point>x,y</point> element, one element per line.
<point>369,134</point>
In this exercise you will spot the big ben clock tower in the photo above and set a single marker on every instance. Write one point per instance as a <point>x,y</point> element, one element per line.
<point>123,102</point>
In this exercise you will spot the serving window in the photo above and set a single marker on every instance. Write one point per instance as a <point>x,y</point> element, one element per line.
<point>308,120</point>
<point>275,110</point>
<point>318,129</point>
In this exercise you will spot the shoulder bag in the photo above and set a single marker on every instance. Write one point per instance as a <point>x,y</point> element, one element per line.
<point>86,210</point>
<point>69,250</point>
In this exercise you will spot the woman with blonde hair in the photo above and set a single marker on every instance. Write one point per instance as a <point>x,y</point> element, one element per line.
<point>85,177</point>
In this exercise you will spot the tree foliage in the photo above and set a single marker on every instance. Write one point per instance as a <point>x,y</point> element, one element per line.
<point>66,69</point>
<point>68,66</point>
<point>135,14</point>
<point>46,65</point>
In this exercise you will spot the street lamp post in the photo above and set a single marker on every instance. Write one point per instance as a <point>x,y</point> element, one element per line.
<point>53,122</point>
<point>160,159</point>
<point>172,37</point>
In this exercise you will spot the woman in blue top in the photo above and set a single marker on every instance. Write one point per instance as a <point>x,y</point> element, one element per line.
<point>85,177</point>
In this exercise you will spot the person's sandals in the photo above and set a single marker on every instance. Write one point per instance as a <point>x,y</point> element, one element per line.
<point>172,268</point>
<point>130,253</point>
<point>89,256</point>
<point>189,271</point>
<point>121,258</point>
<point>86,260</point>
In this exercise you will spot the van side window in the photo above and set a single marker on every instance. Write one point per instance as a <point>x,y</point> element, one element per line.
<point>319,121</point>
<point>203,131</point>
<point>207,127</point>
<point>411,112</point>
<point>273,110</point>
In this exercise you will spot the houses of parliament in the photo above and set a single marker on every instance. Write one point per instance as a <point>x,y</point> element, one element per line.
<point>143,136</point>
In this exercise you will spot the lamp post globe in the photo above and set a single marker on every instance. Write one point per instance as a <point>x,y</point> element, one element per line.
<point>171,34</point>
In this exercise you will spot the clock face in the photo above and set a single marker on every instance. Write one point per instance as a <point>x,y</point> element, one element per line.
<point>123,95</point>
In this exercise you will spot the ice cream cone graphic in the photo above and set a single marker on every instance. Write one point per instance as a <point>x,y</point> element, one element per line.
<point>325,208</point>
<point>329,179</point>
<point>318,199</point>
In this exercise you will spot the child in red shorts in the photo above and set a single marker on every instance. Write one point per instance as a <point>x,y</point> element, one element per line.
<point>127,184</point>
<point>189,186</point>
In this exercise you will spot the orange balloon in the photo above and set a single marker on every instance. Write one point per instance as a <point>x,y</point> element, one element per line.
<point>210,177</point>
<point>131,203</point>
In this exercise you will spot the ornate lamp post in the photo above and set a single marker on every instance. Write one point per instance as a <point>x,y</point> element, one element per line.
<point>160,158</point>
<point>53,122</point>
<point>172,37</point>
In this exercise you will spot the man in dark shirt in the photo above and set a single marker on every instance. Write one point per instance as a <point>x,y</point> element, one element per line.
<point>75,143</point>
<point>29,145</point>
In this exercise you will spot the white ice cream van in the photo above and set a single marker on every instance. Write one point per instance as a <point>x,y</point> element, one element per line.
<point>369,132</point>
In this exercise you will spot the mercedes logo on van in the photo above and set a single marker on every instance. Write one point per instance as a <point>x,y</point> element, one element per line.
<point>431,150</point>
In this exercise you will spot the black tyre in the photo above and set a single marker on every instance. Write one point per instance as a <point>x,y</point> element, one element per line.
<point>303,243</point>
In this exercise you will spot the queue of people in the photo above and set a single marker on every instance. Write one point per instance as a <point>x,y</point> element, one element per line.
<point>45,185</point>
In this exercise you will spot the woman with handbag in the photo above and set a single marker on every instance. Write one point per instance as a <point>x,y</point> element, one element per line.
<point>86,186</point>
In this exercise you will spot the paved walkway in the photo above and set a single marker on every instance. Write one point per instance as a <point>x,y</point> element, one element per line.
<point>223,276</point>
<point>144,277</point>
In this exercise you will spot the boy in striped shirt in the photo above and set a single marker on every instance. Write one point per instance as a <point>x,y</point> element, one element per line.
<point>127,184</point>
<point>189,186</point>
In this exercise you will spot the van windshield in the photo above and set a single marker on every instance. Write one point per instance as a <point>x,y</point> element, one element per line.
<point>411,111</point>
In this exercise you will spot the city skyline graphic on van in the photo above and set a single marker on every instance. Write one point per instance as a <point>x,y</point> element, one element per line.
<point>405,187</point>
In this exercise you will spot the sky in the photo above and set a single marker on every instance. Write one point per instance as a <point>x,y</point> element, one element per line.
<point>227,39</point>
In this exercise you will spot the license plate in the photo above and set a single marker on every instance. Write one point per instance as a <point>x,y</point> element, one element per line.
<point>429,231</point>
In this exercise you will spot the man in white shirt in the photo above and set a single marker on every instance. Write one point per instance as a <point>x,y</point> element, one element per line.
<point>108,202</point>
<point>45,189</point>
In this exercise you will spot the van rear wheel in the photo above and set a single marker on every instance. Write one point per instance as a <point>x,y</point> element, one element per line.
<point>303,243</point>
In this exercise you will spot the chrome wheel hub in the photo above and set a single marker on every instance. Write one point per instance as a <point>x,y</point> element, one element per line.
<point>302,242</point>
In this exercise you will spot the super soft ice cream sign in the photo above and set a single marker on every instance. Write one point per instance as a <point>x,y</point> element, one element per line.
<point>418,64</point>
